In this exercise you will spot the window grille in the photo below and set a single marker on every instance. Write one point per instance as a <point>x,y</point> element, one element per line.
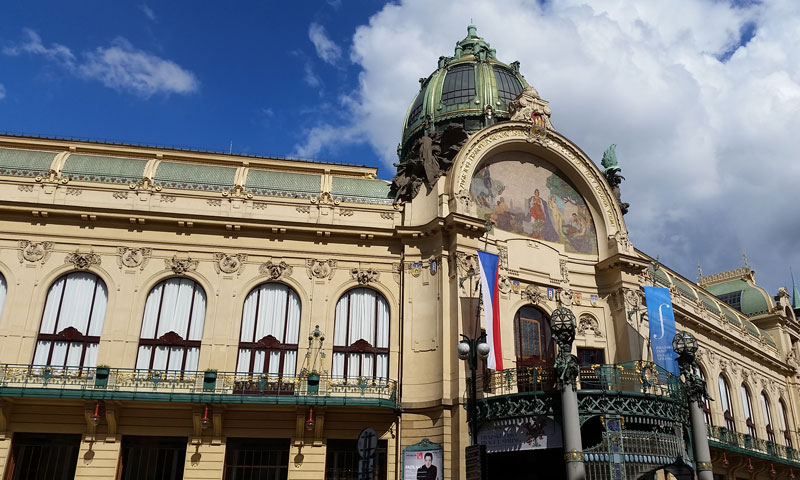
<point>459,85</point>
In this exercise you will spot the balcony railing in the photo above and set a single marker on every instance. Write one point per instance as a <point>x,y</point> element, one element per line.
<point>193,386</point>
<point>749,445</point>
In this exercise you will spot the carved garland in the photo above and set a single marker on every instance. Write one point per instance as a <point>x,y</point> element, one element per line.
<point>364,276</point>
<point>34,251</point>
<point>180,266</point>
<point>275,270</point>
<point>82,261</point>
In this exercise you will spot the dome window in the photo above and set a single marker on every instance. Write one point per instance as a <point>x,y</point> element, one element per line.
<point>508,87</point>
<point>416,108</point>
<point>459,85</point>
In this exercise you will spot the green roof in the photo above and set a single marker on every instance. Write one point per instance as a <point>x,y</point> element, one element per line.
<point>684,289</point>
<point>189,176</point>
<point>25,163</point>
<point>282,184</point>
<point>709,303</point>
<point>754,299</point>
<point>361,190</point>
<point>93,168</point>
<point>659,276</point>
<point>732,317</point>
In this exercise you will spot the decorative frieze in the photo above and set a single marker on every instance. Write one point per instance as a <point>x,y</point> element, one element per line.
<point>224,263</point>
<point>34,251</point>
<point>133,257</point>
<point>275,270</point>
<point>82,261</point>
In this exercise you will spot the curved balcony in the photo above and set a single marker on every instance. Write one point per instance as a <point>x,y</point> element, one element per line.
<point>640,391</point>
<point>192,386</point>
<point>724,439</point>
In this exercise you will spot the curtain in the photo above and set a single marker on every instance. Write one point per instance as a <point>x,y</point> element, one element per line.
<point>367,313</point>
<point>340,323</point>
<point>290,364</point>
<point>3,291</point>
<point>723,395</point>
<point>383,324</point>
<point>270,309</point>
<point>337,369</point>
<point>383,366</point>
<point>362,316</point>
<point>745,402</point>
<point>243,364</point>
<point>765,410</point>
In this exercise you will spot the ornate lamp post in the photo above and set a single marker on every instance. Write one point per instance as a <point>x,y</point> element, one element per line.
<point>470,349</point>
<point>562,324</point>
<point>685,345</point>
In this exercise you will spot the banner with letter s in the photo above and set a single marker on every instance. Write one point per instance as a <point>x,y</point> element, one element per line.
<point>662,327</point>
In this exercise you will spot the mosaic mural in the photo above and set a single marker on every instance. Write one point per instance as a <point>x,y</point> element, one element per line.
<point>526,195</point>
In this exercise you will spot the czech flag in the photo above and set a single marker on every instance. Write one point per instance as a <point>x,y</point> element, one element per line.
<point>491,307</point>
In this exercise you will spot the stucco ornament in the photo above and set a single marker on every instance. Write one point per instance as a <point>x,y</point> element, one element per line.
<point>275,270</point>
<point>229,263</point>
<point>364,276</point>
<point>564,296</point>
<point>320,268</point>
<point>180,265</point>
<point>82,261</point>
<point>531,108</point>
<point>588,323</point>
<point>533,294</point>
<point>133,257</point>
<point>504,285</point>
<point>34,251</point>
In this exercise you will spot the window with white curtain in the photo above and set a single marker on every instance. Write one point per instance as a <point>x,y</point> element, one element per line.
<point>270,329</point>
<point>3,291</point>
<point>766,415</point>
<point>725,401</point>
<point>748,410</point>
<point>172,327</point>
<point>787,435</point>
<point>72,321</point>
<point>706,402</point>
<point>361,335</point>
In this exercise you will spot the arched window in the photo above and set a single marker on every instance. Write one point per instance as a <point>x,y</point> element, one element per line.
<point>787,436</point>
<point>172,326</point>
<point>72,321</point>
<point>3,291</point>
<point>748,410</point>
<point>361,335</point>
<point>533,340</point>
<point>725,402</point>
<point>270,329</point>
<point>766,414</point>
<point>706,402</point>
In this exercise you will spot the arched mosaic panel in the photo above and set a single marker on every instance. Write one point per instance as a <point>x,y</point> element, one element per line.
<point>524,194</point>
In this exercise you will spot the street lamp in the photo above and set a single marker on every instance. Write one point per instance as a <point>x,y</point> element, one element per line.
<point>471,349</point>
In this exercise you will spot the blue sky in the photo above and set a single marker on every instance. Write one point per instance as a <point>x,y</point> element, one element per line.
<point>259,82</point>
<point>701,97</point>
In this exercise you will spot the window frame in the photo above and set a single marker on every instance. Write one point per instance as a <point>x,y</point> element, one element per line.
<point>747,408</point>
<point>362,347</point>
<point>725,397</point>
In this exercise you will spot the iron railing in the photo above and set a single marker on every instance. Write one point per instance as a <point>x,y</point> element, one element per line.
<point>748,444</point>
<point>209,386</point>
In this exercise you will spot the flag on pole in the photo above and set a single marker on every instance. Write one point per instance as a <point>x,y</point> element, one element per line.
<point>491,307</point>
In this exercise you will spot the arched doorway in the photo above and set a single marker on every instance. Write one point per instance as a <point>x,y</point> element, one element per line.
<point>535,349</point>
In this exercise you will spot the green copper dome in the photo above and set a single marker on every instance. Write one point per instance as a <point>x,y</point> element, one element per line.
<point>471,88</point>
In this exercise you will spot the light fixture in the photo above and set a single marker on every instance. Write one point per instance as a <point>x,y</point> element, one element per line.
<point>463,350</point>
<point>205,422</point>
<point>96,414</point>
<point>791,473</point>
<point>684,343</point>
<point>310,420</point>
<point>483,349</point>
<point>750,464</point>
<point>724,458</point>
<point>772,470</point>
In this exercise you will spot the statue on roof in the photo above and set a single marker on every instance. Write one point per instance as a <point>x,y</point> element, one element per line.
<point>431,157</point>
<point>611,172</point>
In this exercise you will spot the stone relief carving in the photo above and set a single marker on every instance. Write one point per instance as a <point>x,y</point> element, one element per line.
<point>791,360</point>
<point>180,265</point>
<point>82,261</point>
<point>320,268</point>
<point>133,257</point>
<point>562,264</point>
<point>167,198</point>
<point>463,198</point>
<point>120,195</point>
<point>275,270</point>
<point>504,284</point>
<point>587,323</point>
<point>364,276</point>
<point>466,265</point>
<point>34,251</point>
<point>502,253</point>
<point>25,188</point>
<point>73,191</point>
<point>531,108</point>
<point>564,296</point>
<point>303,209</point>
<point>346,212</point>
<point>397,270</point>
<point>229,263</point>
<point>533,294</point>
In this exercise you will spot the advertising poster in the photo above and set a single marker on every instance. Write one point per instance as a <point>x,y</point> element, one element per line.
<point>528,433</point>
<point>423,461</point>
<point>662,327</point>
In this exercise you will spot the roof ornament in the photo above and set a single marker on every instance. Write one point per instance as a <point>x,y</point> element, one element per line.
<point>529,107</point>
<point>611,171</point>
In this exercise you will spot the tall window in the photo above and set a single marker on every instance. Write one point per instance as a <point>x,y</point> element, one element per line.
<point>3,291</point>
<point>72,321</point>
<point>706,402</point>
<point>787,436</point>
<point>725,402</point>
<point>256,458</point>
<point>152,458</point>
<point>43,455</point>
<point>767,417</point>
<point>534,343</point>
<point>270,329</point>
<point>361,335</point>
<point>173,326</point>
<point>748,410</point>
<point>341,460</point>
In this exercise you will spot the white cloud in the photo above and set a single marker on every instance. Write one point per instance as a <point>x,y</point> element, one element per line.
<point>2,91</point>
<point>148,12</point>
<point>707,147</point>
<point>119,66</point>
<point>309,76</point>
<point>327,50</point>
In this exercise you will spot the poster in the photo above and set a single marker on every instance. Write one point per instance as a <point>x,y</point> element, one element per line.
<point>528,433</point>
<point>423,461</point>
<point>662,327</point>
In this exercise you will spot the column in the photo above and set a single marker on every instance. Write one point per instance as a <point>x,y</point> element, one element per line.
<point>566,369</point>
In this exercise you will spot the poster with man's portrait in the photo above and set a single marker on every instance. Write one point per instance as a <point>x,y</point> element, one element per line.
<point>423,465</point>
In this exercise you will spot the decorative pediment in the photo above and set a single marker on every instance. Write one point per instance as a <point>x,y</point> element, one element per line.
<point>70,334</point>
<point>171,338</point>
<point>269,342</point>
<point>362,345</point>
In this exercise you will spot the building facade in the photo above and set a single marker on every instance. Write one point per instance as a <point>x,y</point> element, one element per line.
<point>179,314</point>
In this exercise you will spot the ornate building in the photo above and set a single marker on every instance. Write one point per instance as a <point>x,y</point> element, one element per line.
<point>179,314</point>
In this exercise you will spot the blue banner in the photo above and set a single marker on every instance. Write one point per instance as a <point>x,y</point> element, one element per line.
<point>662,327</point>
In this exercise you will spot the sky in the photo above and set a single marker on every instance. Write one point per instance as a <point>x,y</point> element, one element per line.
<point>701,97</point>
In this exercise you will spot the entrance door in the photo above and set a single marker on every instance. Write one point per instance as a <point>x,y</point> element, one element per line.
<point>152,458</point>
<point>43,456</point>
<point>545,464</point>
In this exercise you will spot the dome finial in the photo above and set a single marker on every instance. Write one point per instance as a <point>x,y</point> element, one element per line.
<point>472,30</point>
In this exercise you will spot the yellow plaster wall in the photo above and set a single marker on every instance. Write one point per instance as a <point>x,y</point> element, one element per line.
<point>97,459</point>
<point>204,460</point>
<point>5,450</point>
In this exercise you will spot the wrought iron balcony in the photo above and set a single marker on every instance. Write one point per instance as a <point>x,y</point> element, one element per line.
<point>191,386</point>
<point>640,390</point>
<point>725,439</point>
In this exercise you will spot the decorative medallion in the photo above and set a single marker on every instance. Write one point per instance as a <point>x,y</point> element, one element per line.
<point>320,268</point>
<point>133,257</point>
<point>180,266</point>
<point>82,261</point>
<point>515,286</point>
<point>565,296</point>
<point>34,251</point>
<point>275,270</point>
<point>415,269</point>
<point>365,276</point>
<point>229,263</point>
<point>533,294</point>
<point>577,298</point>
<point>593,300</point>
<point>588,323</point>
